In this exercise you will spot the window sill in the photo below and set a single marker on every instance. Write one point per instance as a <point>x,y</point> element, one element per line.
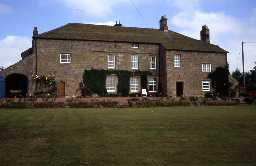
<point>134,92</point>
<point>152,91</point>
<point>111,91</point>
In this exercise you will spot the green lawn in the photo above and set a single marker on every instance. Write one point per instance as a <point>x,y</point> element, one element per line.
<point>200,136</point>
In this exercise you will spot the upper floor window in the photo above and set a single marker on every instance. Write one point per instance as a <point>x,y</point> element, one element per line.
<point>206,86</point>
<point>111,62</point>
<point>135,45</point>
<point>152,84</point>
<point>111,84</point>
<point>134,85</point>
<point>65,58</point>
<point>152,62</point>
<point>176,61</point>
<point>135,62</point>
<point>206,68</point>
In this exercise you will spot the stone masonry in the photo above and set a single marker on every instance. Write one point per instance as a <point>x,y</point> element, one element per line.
<point>90,45</point>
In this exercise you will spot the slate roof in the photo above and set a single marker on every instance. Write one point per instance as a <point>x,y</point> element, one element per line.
<point>170,40</point>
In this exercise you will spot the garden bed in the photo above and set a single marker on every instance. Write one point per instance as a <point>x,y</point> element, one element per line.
<point>97,102</point>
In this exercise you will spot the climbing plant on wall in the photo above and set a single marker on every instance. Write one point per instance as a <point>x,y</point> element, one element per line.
<point>95,81</point>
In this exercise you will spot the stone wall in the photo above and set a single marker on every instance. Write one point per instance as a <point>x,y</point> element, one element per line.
<point>88,55</point>
<point>190,72</point>
<point>93,54</point>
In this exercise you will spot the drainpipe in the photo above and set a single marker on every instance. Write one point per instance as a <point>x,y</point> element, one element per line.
<point>36,54</point>
<point>34,46</point>
<point>35,34</point>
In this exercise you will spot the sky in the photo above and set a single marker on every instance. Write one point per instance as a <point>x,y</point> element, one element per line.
<point>230,21</point>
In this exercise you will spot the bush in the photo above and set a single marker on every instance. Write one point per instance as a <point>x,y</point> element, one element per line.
<point>209,95</point>
<point>249,100</point>
<point>220,81</point>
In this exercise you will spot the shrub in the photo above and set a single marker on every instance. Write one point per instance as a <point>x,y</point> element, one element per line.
<point>220,81</point>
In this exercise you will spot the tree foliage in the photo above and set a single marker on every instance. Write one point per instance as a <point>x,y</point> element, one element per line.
<point>220,81</point>
<point>250,79</point>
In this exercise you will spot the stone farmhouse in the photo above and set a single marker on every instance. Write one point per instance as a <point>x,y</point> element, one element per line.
<point>179,65</point>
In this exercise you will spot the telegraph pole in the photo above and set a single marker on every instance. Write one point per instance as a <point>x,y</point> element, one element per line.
<point>243,44</point>
<point>243,63</point>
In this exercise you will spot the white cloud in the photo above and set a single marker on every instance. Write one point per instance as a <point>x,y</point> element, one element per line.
<point>11,48</point>
<point>185,5</point>
<point>93,7</point>
<point>109,23</point>
<point>226,31</point>
<point>5,9</point>
<point>192,22</point>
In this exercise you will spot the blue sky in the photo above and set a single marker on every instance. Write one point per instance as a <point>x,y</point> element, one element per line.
<point>230,21</point>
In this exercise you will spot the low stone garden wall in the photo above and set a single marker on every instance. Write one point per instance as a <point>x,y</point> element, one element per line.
<point>118,102</point>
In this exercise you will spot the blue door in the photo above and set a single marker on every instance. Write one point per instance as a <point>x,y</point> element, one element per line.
<point>2,87</point>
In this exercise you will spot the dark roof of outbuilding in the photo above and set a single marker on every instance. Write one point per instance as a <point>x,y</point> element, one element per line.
<point>170,40</point>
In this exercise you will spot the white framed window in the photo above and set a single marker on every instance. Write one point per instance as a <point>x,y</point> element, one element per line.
<point>111,84</point>
<point>152,62</point>
<point>135,45</point>
<point>135,62</point>
<point>111,62</point>
<point>206,68</point>
<point>206,86</point>
<point>65,58</point>
<point>152,84</point>
<point>176,60</point>
<point>134,84</point>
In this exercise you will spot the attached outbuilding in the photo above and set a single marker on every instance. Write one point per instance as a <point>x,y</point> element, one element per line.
<point>2,87</point>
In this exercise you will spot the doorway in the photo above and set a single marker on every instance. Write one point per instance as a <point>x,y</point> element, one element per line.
<point>16,85</point>
<point>179,89</point>
<point>61,89</point>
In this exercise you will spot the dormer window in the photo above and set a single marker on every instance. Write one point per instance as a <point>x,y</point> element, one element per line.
<point>135,45</point>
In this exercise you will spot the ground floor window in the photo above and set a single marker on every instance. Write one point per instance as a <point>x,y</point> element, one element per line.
<point>152,84</point>
<point>206,86</point>
<point>134,84</point>
<point>111,84</point>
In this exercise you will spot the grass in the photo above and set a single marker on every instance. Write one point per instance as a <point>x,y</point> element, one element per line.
<point>207,136</point>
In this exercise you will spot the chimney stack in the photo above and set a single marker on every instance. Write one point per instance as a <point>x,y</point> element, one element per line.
<point>164,24</point>
<point>35,32</point>
<point>205,34</point>
<point>118,24</point>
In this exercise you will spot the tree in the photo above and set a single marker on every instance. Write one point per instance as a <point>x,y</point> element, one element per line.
<point>238,76</point>
<point>220,81</point>
<point>251,80</point>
